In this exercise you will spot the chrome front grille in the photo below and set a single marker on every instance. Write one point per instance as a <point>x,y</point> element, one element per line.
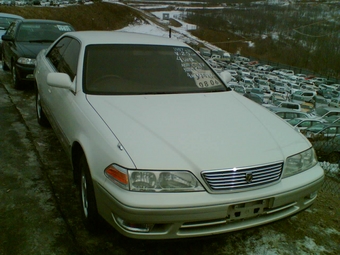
<point>243,178</point>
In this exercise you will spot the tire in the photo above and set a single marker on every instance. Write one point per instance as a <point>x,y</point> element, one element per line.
<point>4,66</point>
<point>16,81</point>
<point>41,117</point>
<point>334,157</point>
<point>87,196</point>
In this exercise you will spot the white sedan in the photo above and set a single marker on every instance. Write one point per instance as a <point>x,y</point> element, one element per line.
<point>160,147</point>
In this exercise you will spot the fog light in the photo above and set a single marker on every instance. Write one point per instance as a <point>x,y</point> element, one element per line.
<point>313,195</point>
<point>134,227</point>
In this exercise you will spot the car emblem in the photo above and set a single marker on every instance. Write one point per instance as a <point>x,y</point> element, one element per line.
<point>249,177</point>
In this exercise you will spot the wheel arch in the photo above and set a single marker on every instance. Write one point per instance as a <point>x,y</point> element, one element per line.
<point>76,153</point>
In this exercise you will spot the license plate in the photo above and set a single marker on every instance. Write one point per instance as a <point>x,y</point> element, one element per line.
<point>247,210</point>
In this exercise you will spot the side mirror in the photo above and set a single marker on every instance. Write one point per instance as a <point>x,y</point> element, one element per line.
<point>7,38</point>
<point>60,80</point>
<point>225,76</point>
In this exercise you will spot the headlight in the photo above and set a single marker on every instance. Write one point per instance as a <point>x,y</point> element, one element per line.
<point>300,162</point>
<point>153,181</point>
<point>26,61</point>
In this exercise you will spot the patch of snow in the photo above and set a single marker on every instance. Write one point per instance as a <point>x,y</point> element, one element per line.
<point>269,243</point>
<point>308,246</point>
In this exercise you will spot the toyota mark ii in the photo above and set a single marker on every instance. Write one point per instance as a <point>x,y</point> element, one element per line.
<point>160,147</point>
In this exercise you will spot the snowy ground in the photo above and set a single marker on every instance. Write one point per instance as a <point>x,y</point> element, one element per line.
<point>180,33</point>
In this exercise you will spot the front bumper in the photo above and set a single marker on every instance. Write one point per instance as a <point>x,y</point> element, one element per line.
<point>195,221</point>
<point>24,72</point>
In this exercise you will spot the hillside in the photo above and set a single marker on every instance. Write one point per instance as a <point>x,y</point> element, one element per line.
<point>97,16</point>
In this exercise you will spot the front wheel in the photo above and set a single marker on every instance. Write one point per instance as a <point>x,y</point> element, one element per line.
<point>87,196</point>
<point>16,81</point>
<point>4,66</point>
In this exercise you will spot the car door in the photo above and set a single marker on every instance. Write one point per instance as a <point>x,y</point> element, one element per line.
<point>55,100</point>
<point>64,58</point>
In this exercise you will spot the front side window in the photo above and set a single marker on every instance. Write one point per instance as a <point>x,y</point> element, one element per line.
<point>5,22</point>
<point>144,69</point>
<point>56,52</point>
<point>11,30</point>
<point>64,56</point>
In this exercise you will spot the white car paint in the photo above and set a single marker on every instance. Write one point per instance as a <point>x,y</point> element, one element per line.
<point>195,133</point>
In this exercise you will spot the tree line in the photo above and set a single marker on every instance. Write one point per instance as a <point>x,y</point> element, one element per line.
<point>300,35</point>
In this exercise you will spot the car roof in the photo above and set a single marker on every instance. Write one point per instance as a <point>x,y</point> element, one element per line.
<point>118,37</point>
<point>43,21</point>
<point>9,15</point>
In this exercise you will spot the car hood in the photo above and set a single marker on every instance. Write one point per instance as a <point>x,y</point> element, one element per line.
<point>31,50</point>
<point>197,131</point>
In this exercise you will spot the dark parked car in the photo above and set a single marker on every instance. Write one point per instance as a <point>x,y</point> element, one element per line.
<point>328,150</point>
<point>23,41</point>
<point>5,20</point>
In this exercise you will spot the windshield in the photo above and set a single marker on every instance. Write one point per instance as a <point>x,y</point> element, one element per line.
<point>5,22</point>
<point>144,69</point>
<point>41,32</point>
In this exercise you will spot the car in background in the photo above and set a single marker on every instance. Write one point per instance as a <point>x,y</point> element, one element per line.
<point>277,86</point>
<point>254,97</point>
<point>328,150</point>
<point>5,20</point>
<point>236,87</point>
<point>335,102</point>
<point>323,112</point>
<point>23,41</point>
<point>291,87</point>
<point>306,107</point>
<point>332,119</point>
<point>263,94</point>
<point>276,98</point>
<point>163,150</point>
<point>320,101</point>
<point>322,131</point>
<point>290,105</point>
<point>247,83</point>
<point>288,114</point>
<point>303,123</point>
<point>303,96</point>
<point>263,85</point>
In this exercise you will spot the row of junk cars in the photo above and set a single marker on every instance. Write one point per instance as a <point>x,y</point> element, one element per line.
<point>309,103</point>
